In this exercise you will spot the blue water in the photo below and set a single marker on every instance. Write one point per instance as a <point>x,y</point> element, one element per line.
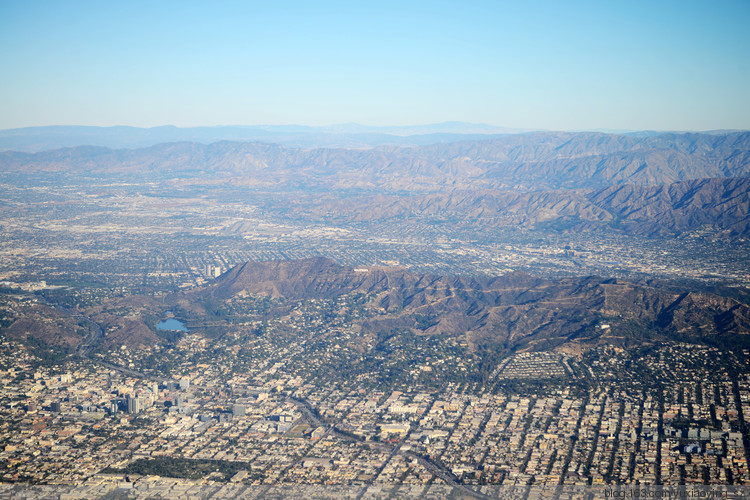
<point>171,324</point>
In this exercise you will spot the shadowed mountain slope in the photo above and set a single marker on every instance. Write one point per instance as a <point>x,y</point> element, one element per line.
<point>719,204</point>
<point>542,160</point>
<point>516,310</point>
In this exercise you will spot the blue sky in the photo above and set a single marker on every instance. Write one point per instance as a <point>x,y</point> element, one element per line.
<point>660,65</point>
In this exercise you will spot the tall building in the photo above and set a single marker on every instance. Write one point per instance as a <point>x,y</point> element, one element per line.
<point>211,271</point>
<point>135,404</point>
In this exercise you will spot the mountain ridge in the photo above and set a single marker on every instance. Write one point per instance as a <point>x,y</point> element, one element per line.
<point>720,204</point>
<point>35,139</point>
<point>516,309</point>
<point>512,312</point>
<point>525,161</point>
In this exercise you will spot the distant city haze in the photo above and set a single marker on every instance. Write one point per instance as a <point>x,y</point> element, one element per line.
<point>543,65</point>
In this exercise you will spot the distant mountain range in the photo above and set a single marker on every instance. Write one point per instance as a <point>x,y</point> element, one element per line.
<point>532,161</point>
<point>651,184</point>
<point>34,139</point>
<point>662,210</point>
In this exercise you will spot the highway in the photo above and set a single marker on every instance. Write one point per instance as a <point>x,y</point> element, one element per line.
<point>436,468</point>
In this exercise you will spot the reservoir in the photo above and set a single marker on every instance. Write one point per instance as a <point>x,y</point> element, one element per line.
<point>171,324</point>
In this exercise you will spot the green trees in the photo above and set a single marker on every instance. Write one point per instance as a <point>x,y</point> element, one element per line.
<point>183,468</point>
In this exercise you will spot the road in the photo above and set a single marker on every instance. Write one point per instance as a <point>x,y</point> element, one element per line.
<point>436,468</point>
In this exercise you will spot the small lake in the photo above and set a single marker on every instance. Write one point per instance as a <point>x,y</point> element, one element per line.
<point>172,325</point>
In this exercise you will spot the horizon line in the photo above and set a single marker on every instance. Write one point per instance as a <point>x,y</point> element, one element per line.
<point>501,129</point>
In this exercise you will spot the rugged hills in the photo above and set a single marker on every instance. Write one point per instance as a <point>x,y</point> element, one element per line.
<point>517,310</point>
<point>648,184</point>
<point>514,312</point>
<point>718,204</point>
<point>652,185</point>
<point>524,161</point>
<point>119,322</point>
<point>721,204</point>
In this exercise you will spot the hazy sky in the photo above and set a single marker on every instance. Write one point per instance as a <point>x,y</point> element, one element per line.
<point>678,65</point>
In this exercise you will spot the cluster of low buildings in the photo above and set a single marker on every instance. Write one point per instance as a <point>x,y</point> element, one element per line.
<point>72,423</point>
<point>533,365</point>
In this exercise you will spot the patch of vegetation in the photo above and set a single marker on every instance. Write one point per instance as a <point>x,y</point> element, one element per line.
<point>425,321</point>
<point>182,468</point>
<point>171,336</point>
<point>47,354</point>
<point>681,423</point>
